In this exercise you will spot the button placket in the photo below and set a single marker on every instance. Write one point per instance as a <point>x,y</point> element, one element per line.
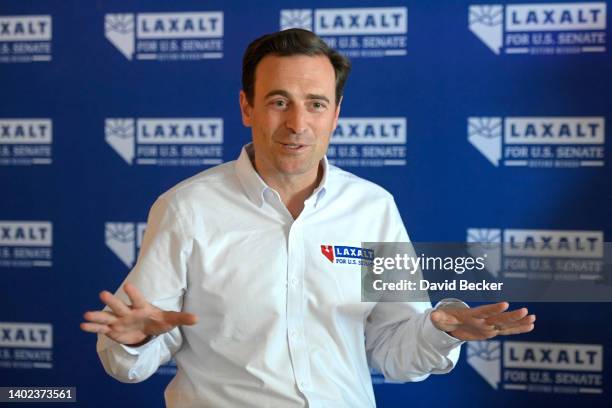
<point>295,306</point>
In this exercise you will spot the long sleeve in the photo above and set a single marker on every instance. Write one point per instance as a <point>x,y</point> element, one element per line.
<point>403,344</point>
<point>160,273</point>
<point>401,341</point>
<point>136,364</point>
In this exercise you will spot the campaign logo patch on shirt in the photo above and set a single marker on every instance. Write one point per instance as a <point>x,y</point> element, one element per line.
<point>348,255</point>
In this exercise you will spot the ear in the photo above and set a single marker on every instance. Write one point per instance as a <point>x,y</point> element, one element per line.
<point>245,109</point>
<point>337,113</point>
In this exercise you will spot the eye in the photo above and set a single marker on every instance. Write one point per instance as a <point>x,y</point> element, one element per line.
<point>279,104</point>
<point>318,106</point>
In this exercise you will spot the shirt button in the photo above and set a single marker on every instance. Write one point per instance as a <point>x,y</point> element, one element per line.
<point>293,334</point>
<point>294,281</point>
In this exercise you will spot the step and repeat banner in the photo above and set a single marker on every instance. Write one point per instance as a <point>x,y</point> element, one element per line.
<point>488,123</point>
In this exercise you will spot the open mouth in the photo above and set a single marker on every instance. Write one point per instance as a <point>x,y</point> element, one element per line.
<point>293,147</point>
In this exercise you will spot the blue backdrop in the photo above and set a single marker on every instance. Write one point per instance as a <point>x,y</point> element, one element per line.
<point>481,119</point>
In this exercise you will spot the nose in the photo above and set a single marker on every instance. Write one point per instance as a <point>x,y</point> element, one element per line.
<point>296,120</point>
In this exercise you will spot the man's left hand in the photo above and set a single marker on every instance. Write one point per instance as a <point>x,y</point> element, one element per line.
<point>483,322</point>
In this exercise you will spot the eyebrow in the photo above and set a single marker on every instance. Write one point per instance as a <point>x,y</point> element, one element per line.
<point>288,96</point>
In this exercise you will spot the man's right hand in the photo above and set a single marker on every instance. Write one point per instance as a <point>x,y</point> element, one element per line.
<point>133,325</point>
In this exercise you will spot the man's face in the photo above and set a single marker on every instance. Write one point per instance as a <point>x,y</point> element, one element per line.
<point>293,114</point>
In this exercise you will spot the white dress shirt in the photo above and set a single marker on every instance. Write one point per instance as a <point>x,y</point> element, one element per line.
<point>280,324</point>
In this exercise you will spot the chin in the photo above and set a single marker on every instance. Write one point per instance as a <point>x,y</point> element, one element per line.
<point>294,168</point>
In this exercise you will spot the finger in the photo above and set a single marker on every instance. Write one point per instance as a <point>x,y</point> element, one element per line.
<point>180,318</point>
<point>137,298</point>
<point>527,320</point>
<point>95,328</point>
<point>100,317</point>
<point>484,328</point>
<point>480,326</point>
<point>526,328</point>
<point>482,312</point>
<point>508,317</point>
<point>449,320</point>
<point>116,304</point>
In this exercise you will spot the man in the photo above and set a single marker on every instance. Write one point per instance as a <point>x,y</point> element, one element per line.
<point>231,281</point>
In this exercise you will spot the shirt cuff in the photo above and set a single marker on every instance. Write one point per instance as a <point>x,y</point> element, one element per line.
<point>135,351</point>
<point>440,339</point>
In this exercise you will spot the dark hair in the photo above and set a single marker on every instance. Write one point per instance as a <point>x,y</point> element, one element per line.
<point>294,41</point>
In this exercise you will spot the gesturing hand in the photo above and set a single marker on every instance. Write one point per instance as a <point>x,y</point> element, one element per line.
<point>133,324</point>
<point>483,322</point>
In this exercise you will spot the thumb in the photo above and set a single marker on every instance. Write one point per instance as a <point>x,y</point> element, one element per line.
<point>443,320</point>
<point>180,318</point>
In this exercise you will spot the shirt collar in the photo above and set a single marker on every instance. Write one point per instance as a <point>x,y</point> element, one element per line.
<point>255,186</point>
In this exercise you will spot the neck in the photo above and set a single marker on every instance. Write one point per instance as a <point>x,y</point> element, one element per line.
<point>293,189</point>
